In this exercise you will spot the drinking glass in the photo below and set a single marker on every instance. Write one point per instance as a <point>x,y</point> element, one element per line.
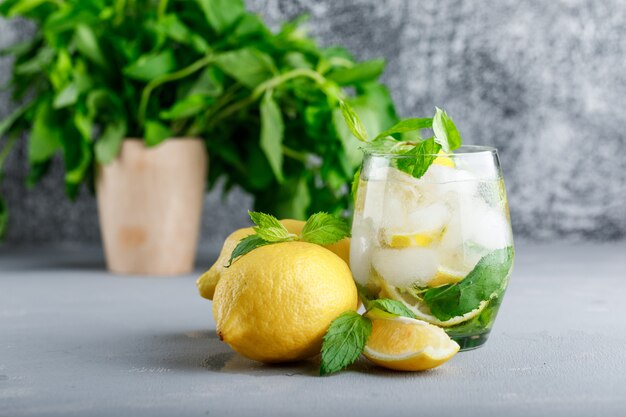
<point>441,244</point>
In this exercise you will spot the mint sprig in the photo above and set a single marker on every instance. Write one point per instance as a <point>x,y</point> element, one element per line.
<point>390,306</point>
<point>419,158</point>
<point>418,155</point>
<point>245,245</point>
<point>347,335</point>
<point>321,228</point>
<point>324,229</point>
<point>344,341</point>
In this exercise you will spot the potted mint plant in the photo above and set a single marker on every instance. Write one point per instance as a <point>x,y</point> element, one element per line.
<point>183,78</point>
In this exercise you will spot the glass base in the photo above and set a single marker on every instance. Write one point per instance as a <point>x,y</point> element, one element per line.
<point>470,342</point>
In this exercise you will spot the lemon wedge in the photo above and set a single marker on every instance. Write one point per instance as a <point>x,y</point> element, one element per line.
<point>446,276</point>
<point>408,240</point>
<point>421,310</point>
<point>444,160</point>
<point>406,344</point>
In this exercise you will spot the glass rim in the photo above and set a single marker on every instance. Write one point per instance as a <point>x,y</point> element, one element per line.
<point>463,150</point>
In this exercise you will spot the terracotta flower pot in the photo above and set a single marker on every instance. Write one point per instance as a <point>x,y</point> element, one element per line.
<point>150,205</point>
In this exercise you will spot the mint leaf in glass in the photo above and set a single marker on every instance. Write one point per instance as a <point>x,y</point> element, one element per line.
<point>485,280</point>
<point>418,159</point>
<point>391,307</point>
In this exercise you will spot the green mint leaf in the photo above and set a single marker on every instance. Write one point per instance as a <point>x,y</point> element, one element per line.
<point>46,136</point>
<point>246,245</point>
<point>446,133</point>
<point>186,107</point>
<point>248,66</point>
<point>222,14</point>
<point>274,234</point>
<point>487,278</point>
<point>88,45</point>
<point>390,306</point>
<point>354,123</point>
<point>7,123</point>
<point>272,134</point>
<point>344,341</point>
<point>265,220</point>
<point>324,229</point>
<point>355,183</point>
<point>156,132</point>
<point>418,159</point>
<point>358,73</point>
<point>407,125</point>
<point>66,97</point>
<point>151,66</point>
<point>108,145</point>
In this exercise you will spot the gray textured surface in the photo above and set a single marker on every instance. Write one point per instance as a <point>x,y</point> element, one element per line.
<point>542,81</point>
<point>75,341</point>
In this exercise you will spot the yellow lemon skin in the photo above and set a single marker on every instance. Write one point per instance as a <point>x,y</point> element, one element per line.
<point>444,160</point>
<point>275,303</point>
<point>341,248</point>
<point>406,344</point>
<point>207,281</point>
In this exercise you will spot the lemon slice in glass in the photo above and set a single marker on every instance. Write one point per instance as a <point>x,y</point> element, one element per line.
<point>421,310</point>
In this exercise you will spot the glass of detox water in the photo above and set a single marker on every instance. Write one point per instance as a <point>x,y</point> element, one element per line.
<point>441,244</point>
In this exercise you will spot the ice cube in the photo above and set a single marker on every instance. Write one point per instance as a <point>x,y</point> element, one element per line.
<point>405,267</point>
<point>361,245</point>
<point>452,236</point>
<point>442,181</point>
<point>394,210</point>
<point>432,217</point>
<point>479,223</point>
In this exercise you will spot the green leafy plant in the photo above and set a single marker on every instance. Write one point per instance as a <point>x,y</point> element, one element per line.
<point>267,104</point>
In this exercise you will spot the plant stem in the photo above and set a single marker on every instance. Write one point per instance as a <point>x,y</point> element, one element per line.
<point>267,85</point>
<point>6,150</point>
<point>120,11</point>
<point>293,154</point>
<point>185,72</point>
<point>162,8</point>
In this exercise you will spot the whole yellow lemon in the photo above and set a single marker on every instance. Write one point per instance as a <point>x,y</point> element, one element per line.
<point>207,282</point>
<point>275,303</point>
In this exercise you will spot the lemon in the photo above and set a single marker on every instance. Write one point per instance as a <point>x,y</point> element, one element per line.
<point>275,303</point>
<point>407,344</point>
<point>422,311</point>
<point>446,276</point>
<point>407,240</point>
<point>207,281</point>
<point>444,160</point>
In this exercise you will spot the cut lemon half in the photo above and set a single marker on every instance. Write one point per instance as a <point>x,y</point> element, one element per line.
<point>421,310</point>
<point>406,344</point>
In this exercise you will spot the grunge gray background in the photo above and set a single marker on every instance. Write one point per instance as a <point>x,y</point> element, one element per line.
<point>542,81</point>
